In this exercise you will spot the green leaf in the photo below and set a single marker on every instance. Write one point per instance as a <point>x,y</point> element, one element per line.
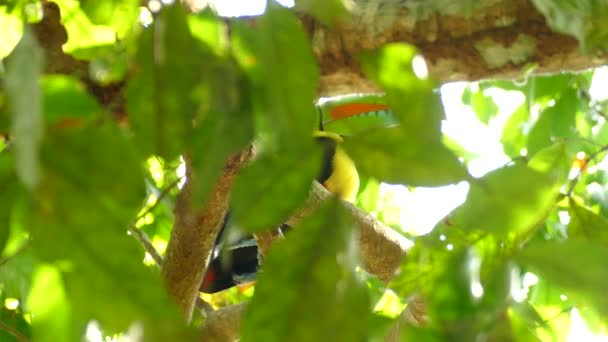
<point>161,98</point>
<point>23,71</point>
<point>16,274</point>
<point>266,192</point>
<point>510,200</point>
<point>584,20</point>
<point>83,36</point>
<point>66,101</point>
<point>8,181</point>
<point>586,224</point>
<point>556,122</point>
<point>483,105</point>
<point>513,138</point>
<point>210,30</point>
<point>582,272</point>
<point>122,15</point>
<point>392,156</point>
<point>226,128</point>
<point>419,111</point>
<point>283,48</point>
<point>92,189</point>
<point>309,290</point>
<point>326,11</point>
<point>48,301</point>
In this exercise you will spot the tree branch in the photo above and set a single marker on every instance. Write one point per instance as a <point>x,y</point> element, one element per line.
<point>194,233</point>
<point>382,251</point>
<point>498,39</point>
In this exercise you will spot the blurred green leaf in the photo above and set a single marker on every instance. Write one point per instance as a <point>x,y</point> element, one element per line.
<point>48,300</point>
<point>161,98</point>
<point>393,156</point>
<point>586,224</point>
<point>581,271</point>
<point>66,101</point>
<point>84,36</point>
<point>16,274</point>
<point>92,189</point>
<point>122,15</point>
<point>513,137</point>
<point>210,30</point>
<point>283,48</point>
<point>23,70</point>
<point>318,296</point>
<point>482,104</point>
<point>509,200</point>
<point>268,190</point>
<point>326,11</point>
<point>581,19</point>
<point>411,98</point>
<point>556,122</point>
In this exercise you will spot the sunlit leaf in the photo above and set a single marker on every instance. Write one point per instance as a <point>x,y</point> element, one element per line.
<point>582,272</point>
<point>12,28</point>
<point>161,98</point>
<point>283,48</point>
<point>48,300</point>
<point>267,191</point>
<point>319,294</point>
<point>514,135</point>
<point>586,224</point>
<point>119,14</point>
<point>510,200</point>
<point>92,189</point>
<point>482,104</point>
<point>66,101</point>
<point>392,156</point>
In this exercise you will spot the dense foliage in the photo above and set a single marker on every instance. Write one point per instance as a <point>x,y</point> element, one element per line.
<point>85,179</point>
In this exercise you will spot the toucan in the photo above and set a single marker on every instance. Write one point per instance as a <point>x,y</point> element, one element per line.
<point>239,262</point>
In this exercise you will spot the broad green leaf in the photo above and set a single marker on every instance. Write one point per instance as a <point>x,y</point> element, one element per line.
<point>122,15</point>
<point>586,224</point>
<point>326,11</point>
<point>23,71</point>
<point>510,200</point>
<point>556,122</point>
<point>393,156</point>
<point>581,19</point>
<point>16,274</point>
<point>309,290</point>
<point>226,127</point>
<point>284,48</point>
<point>513,138</point>
<point>266,192</point>
<point>83,36</point>
<point>92,189</point>
<point>554,161</point>
<point>161,98</point>
<point>582,273</point>
<point>48,301</point>
<point>210,30</point>
<point>66,101</point>
<point>12,29</point>
<point>418,110</point>
<point>482,104</point>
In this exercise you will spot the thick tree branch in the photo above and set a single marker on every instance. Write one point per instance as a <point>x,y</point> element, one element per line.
<point>194,233</point>
<point>497,40</point>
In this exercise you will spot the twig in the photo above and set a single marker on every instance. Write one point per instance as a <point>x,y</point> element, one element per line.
<point>19,336</point>
<point>141,236</point>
